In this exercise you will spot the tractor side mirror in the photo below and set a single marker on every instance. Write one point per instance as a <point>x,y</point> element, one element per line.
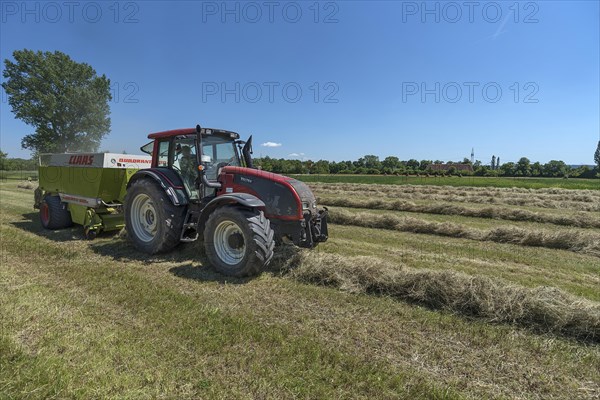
<point>246,153</point>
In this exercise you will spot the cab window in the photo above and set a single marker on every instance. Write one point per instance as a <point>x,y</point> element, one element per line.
<point>163,154</point>
<point>217,153</point>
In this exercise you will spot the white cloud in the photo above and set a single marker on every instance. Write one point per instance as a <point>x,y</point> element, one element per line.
<point>271,144</point>
<point>297,155</point>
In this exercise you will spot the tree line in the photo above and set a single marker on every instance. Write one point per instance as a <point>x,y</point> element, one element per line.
<point>391,165</point>
<point>16,164</point>
<point>371,164</point>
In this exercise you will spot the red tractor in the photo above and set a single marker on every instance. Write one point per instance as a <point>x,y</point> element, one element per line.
<point>202,184</point>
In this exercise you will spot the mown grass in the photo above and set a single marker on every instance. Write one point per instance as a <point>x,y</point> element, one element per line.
<point>105,334</point>
<point>587,200</point>
<point>478,181</point>
<point>565,239</point>
<point>504,213</point>
<point>545,309</point>
<point>98,319</point>
<point>571,213</point>
<point>578,274</point>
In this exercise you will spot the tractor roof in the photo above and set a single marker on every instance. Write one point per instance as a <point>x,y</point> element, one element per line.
<point>192,131</point>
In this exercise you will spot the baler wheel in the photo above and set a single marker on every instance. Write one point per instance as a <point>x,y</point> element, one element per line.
<point>90,234</point>
<point>54,214</point>
<point>238,242</point>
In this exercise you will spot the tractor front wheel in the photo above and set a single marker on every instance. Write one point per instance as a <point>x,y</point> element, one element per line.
<point>54,214</point>
<point>153,223</point>
<point>238,242</point>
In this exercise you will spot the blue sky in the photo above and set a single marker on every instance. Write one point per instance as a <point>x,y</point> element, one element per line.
<point>335,80</point>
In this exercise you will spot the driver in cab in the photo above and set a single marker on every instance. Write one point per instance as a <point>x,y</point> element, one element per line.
<point>188,165</point>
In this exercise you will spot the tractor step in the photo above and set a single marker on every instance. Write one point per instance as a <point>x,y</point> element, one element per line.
<point>189,233</point>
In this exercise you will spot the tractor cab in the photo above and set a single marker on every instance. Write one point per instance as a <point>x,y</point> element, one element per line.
<point>198,156</point>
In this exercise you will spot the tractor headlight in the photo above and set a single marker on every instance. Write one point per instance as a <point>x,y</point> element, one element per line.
<point>307,205</point>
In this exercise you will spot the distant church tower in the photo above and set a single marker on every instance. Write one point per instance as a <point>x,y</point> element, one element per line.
<point>472,155</point>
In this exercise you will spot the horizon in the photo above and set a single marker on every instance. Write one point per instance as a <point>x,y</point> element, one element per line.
<point>416,82</point>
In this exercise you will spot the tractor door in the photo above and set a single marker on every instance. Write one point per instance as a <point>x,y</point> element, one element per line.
<point>183,161</point>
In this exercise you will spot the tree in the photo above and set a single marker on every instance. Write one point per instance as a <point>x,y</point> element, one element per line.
<point>493,164</point>
<point>65,101</point>
<point>498,162</point>
<point>597,155</point>
<point>555,168</point>
<point>3,160</point>
<point>524,167</point>
<point>508,169</point>
<point>412,163</point>
<point>391,162</point>
<point>424,164</point>
<point>371,161</point>
<point>320,167</point>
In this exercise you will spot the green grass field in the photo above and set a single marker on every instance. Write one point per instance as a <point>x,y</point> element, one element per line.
<point>375,312</point>
<point>477,181</point>
<point>18,175</point>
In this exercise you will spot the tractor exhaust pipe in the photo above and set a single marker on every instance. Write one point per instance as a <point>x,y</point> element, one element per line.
<point>246,153</point>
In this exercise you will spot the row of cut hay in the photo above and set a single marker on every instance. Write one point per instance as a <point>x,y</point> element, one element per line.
<point>518,199</point>
<point>543,309</point>
<point>584,196</point>
<point>576,241</point>
<point>511,201</point>
<point>510,214</point>
<point>557,194</point>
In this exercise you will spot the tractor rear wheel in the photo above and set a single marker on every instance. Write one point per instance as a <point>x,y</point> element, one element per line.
<point>54,214</point>
<point>238,242</point>
<point>153,223</point>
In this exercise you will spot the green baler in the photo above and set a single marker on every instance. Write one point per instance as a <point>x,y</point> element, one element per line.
<point>87,189</point>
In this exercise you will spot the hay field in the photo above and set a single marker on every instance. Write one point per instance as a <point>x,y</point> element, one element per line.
<point>422,292</point>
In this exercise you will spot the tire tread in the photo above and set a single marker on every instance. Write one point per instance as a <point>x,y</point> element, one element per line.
<point>59,215</point>
<point>262,237</point>
<point>171,232</point>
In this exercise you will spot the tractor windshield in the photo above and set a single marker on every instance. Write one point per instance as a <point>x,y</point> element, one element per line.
<point>218,152</point>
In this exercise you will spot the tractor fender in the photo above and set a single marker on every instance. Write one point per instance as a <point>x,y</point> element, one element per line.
<point>168,180</point>
<point>243,199</point>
